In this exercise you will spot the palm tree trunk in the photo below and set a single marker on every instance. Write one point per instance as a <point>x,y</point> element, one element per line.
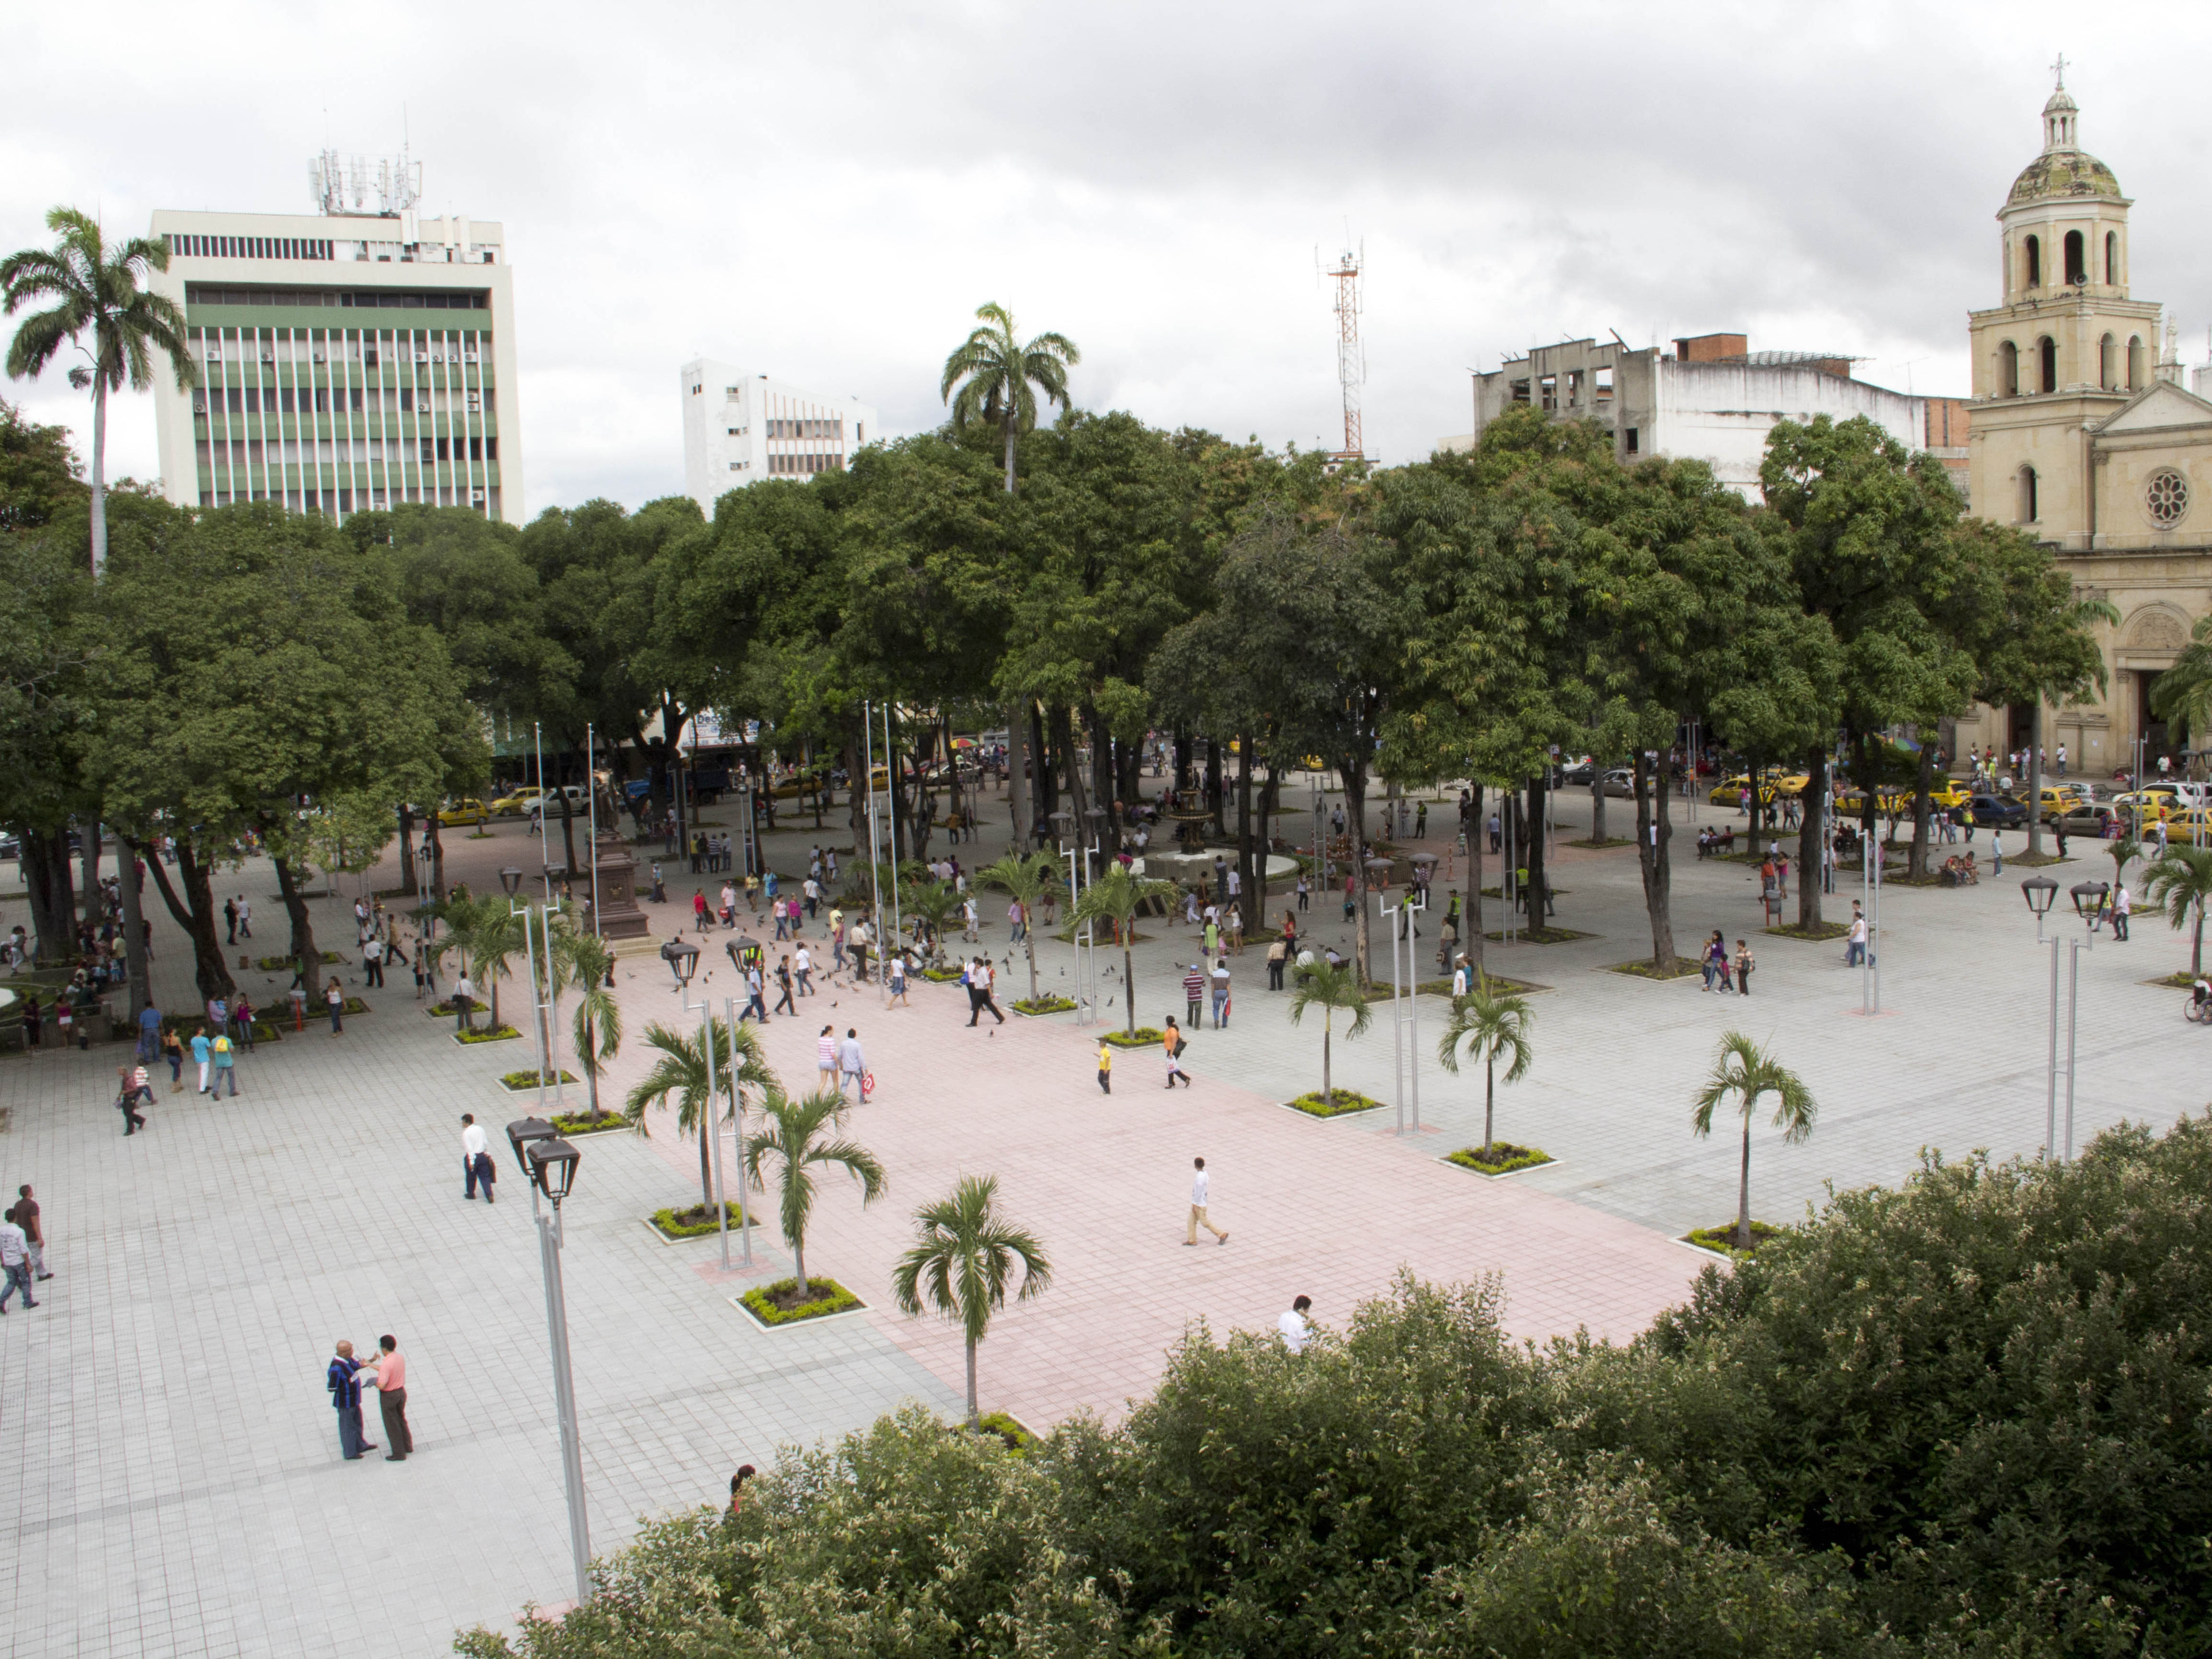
<point>1028,946</point>
<point>1328,1095</point>
<point>974,1415</point>
<point>590,1058</point>
<point>798,1266</point>
<point>1007,426</point>
<point>706,1168</point>
<point>2197,944</point>
<point>1743,1191</point>
<point>1129,975</point>
<point>1489,1099</point>
<point>99,475</point>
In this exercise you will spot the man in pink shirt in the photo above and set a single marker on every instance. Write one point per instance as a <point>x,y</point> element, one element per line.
<point>391,1386</point>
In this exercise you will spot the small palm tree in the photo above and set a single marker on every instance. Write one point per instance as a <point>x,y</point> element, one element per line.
<point>1330,989</point>
<point>1747,1071</point>
<point>961,1261</point>
<point>584,959</point>
<point>933,903</point>
<point>95,289</point>
<point>1492,1027</point>
<point>995,373</point>
<point>1025,880</point>
<point>2125,851</point>
<point>682,1071</point>
<point>2179,883</point>
<point>495,939</point>
<point>1115,897</point>
<point>791,1131</point>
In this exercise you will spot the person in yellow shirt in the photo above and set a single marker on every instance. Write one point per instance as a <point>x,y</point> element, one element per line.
<point>1105,1066</point>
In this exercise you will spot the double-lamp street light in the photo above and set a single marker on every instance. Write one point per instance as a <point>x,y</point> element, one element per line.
<point>2088,897</point>
<point>549,1164</point>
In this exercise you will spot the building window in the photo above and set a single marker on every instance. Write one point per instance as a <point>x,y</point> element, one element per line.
<point>2034,262</point>
<point>2077,265</point>
<point>2112,258</point>
<point>2166,498</point>
<point>2047,348</point>
<point>1629,440</point>
<point>2029,506</point>
<point>2135,363</point>
<point>1520,391</point>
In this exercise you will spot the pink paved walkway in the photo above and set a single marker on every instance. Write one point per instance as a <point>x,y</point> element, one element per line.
<point>1329,1209</point>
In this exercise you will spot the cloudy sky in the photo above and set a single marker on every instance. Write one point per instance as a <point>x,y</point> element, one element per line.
<point>825,192</point>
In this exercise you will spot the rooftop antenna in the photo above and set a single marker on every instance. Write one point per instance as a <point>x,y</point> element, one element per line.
<point>1351,361</point>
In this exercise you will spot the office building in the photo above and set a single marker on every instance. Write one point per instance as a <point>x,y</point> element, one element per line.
<point>350,360</point>
<point>740,429</point>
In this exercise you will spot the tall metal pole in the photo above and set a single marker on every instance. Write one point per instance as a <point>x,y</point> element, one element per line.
<point>2073,1012</point>
<point>592,785</point>
<point>1414,1009</point>
<point>564,1395</point>
<point>891,777</point>
<point>1874,927</point>
<point>538,741</point>
<point>536,1009</point>
<point>737,1113</point>
<point>713,1128</point>
<point>2050,1067</point>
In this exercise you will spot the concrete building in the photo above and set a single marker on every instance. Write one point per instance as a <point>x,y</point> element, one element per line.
<point>348,360</point>
<point>740,429</point>
<point>2084,439</point>
<point>1710,399</point>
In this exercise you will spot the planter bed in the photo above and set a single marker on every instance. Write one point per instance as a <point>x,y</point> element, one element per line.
<point>523,1082</point>
<point>1499,893</point>
<point>1720,1240</point>
<point>280,1013</point>
<point>1019,1437</point>
<point>280,964</point>
<point>1683,968</point>
<point>1821,935</point>
<point>1346,1103</point>
<point>265,1030</point>
<point>1044,1005</point>
<point>1143,1037</point>
<point>1499,986</point>
<point>764,1303</point>
<point>693,1221</point>
<point>1540,936</point>
<point>1504,1159</point>
<point>1600,845</point>
<point>582,1123</point>
<point>941,975</point>
<point>491,1034</point>
<point>2180,981</point>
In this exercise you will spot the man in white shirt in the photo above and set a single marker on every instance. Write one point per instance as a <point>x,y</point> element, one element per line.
<point>851,1064</point>
<point>244,918</point>
<point>1855,951</point>
<point>465,996</point>
<point>2122,907</point>
<point>1293,1325</point>
<point>14,1262</point>
<point>1197,1217</point>
<point>803,965</point>
<point>476,1159</point>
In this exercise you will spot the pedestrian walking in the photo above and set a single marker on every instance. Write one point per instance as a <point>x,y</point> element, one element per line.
<point>2123,908</point>
<point>334,997</point>
<point>202,1056</point>
<point>784,1004</point>
<point>465,997</point>
<point>1996,850</point>
<point>344,1380</point>
<point>244,918</point>
<point>1172,1042</point>
<point>26,1217</point>
<point>15,1260</point>
<point>1296,1332</point>
<point>226,1068</point>
<point>852,1063</point>
<point>1854,948</point>
<point>1194,991</point>
<point>1744,964</point>
<point>476,1167</point>
<point>391,1386</point>
<point>372,961</point>
<point>979,997</point>
<point>825,1060</point>
<point>803,966</point>
<point>1105,1066</point>
<point>897,982</point>
<point>1220,992</point>
<point>1198,1216</point>
<point>230,921</point>
<point>756,997</point>
<point>1302,890</point>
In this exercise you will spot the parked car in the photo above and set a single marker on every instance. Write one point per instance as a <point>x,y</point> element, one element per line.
<point>516,802</point>
<point>2088,819</point>
<point>465,811</point>
<point>1996,811</point>
<point>1620,783</point>
<point>1574,774</point>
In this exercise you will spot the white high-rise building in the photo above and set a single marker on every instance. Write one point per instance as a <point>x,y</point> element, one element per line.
<point>349,360</point>
<point>740,429</point>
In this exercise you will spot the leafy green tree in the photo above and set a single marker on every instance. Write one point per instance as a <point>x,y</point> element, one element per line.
<point>1025,878</point>
<point>95,290</point>
<point>1747,1073</point>
<point>46,699</point>
<point>1490,1026</point>
<point>40,475</point>
<point>962,1264</point>
<point>698,1070</point>
<point>793,1131</point>
<point>1116,896</point>
<point>1000,376</point>
<point>2180,884</point>
<point>2182,696</point>
<point>1333,991</point>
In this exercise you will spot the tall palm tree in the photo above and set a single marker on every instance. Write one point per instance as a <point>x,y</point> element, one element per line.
<point>961,1260</point>
<point>791,1131</point>
<point>1025,880</point>
<point>1115,897</point>
<point>1745,1070</point>
<point>95,289</point>
<point>1492,1027</point>
<point>2180,882</point>
<point>583,959</point>
<point>1331,990</point>
<point>683,1072</point>
<point>995,375</point>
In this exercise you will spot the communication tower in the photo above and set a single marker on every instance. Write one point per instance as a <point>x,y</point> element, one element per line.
<point>1351,361</point>
<point>342,183</point>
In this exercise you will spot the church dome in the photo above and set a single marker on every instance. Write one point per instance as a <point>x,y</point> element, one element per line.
<point>2056,174</point>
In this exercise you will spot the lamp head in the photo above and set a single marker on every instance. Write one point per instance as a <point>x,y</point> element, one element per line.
<point>522,1134</point>
<point>2038,891</point>
<point>511,878</point>
<point>553,1163</point>
<point>683,959</point>
<point>2089,898</point>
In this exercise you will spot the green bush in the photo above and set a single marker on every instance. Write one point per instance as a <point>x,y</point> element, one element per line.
<point>1044,1005</point>
<point>828,1297</point>
<point>1143,1037</point>
<point>1722,1237</point>
<point>583,1124</point>
<point>1499,1157</point>
<point>521,1081</point>
<point>283,964</point>
<point>487,1034</point>
<point>1964,1419</point>
<point>1340,1101</point>
<point>696,1222</point>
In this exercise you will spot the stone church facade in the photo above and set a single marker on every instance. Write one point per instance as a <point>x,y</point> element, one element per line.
<point>2083,436</point>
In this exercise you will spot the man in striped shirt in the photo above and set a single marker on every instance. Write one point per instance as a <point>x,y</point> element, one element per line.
<point>1194,991</point>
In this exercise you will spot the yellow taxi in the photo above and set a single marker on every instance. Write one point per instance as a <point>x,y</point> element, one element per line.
<point>519,803</point>
<point>468,810</point>
<point>1729,791</point>
<point>2155,804</point>
<point>2190,823</point>
<point>1951,794</point>
<point>2057,797</point>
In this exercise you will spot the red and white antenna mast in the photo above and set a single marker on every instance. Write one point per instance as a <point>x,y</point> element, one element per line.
<point>1351,361</point>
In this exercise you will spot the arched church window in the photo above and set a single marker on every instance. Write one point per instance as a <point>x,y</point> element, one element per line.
<point>2034,262</point>
<point>2135,363</point>
<point>2028,504</point>
<point>2077,267</point>
<point>2047,348</point>
<point>2112,258</point>
<point>2007,370</point>
<point>2108,363</point>
<point>2166,497</point>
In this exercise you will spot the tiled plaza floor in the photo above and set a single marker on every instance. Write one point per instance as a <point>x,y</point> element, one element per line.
<point>178,1488</point>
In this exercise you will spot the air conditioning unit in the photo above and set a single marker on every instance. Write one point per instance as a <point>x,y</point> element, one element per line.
<point>468,357</point>
<point>421,356</point>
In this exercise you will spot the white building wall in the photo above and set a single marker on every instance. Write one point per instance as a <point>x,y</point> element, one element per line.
<point>1722,413</point>
<point>740,429</point>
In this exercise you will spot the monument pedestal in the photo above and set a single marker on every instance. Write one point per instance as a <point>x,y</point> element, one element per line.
<point>620,920</point>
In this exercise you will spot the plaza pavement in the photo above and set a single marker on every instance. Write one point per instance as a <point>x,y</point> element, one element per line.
<point>178,1488</point>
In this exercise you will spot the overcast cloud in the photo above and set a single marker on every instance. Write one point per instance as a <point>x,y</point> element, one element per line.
<point>824,193</point>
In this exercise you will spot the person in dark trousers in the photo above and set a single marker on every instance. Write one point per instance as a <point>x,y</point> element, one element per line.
<point>126,1101</point>
<point>391,1386</point>
<point>1105,1067</point>
<point>784,1004</point>
<point>26,1217</point>
<point>979,991</point>
<point>344,1380</point>
<point>230,920</point>
<point>476,1167</point>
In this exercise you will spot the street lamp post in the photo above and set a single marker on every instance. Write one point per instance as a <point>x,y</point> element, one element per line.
<point>549,1164</point>
<point>511,879</point>
<point>1405,1007</point>
<point>2089,897</point>
<point>683,959</point>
